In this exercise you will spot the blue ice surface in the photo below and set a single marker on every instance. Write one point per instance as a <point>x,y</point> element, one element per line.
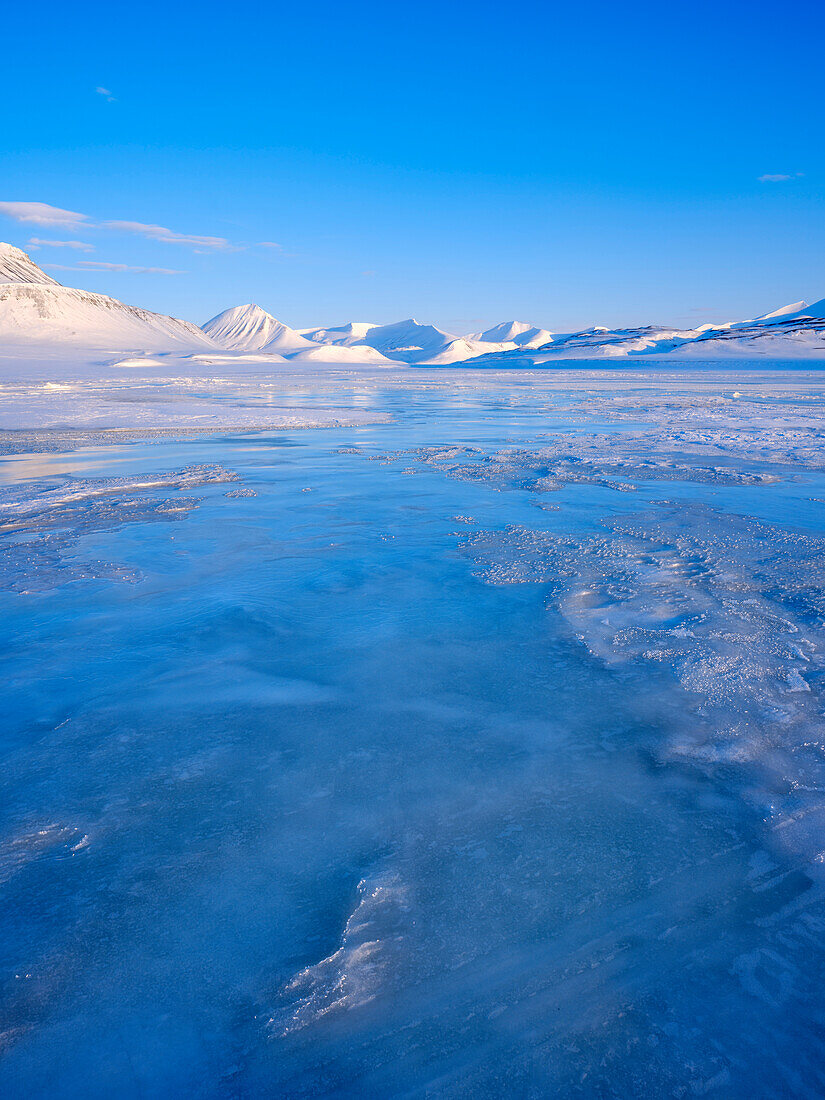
<point>311,810</point>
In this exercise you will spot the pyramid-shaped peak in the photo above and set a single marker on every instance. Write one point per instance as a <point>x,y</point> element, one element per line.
<point>250,328</point>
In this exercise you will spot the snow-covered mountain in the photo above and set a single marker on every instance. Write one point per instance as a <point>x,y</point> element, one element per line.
<point>250,328</point>
<point>603,343</point>
<point>783,311</point>
<point>408,341</point>
<point>351,333</point>
<point>795,331</point>
<point>411,342</point>
<point>34,308</point>
<point>17,267</point>
<point>463,348</point>
<point>514,332</point>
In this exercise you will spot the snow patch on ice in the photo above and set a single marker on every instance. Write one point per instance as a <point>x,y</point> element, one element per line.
<point>355,973</point>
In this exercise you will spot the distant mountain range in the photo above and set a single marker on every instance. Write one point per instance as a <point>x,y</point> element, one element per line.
<point>36,310</point>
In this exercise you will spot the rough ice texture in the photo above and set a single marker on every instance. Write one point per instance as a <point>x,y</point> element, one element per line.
<point>732,607</point>
<point>355,822</point>
<point>41,523</point>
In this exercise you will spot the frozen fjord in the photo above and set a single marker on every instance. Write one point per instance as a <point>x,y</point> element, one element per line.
<point>475,753</point>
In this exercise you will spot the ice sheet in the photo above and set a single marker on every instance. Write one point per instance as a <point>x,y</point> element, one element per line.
<point>380,780</point>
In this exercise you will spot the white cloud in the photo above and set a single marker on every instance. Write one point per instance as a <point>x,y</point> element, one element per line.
<point>169,236</point>
<point>81,246</point>
<point>269,244</point>
<point>99,265</point>
<point>779,177</point>
<point>40,213</point>
<point>106,94</point>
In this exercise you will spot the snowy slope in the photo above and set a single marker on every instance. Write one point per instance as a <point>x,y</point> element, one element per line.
<point>798,311</point>
<point>34,309</point>
<point>792,331</point>
<point>41,313</point>
<point>408,340</point>
<point>784,311</point>
<point>534,338</point>
<point>514,332</point>
<point>603,343</point>
<point>337,353</point>
<point>463,348</point>
<point>351,333</point>
<point>788,333</point>
<point>411,342</point>
<point>17,267</point>
<point>250,328</point>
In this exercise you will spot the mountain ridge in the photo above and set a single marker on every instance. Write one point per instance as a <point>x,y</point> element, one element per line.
<point>36,309</point>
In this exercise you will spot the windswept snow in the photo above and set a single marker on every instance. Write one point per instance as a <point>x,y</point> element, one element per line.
<point>137,362</point>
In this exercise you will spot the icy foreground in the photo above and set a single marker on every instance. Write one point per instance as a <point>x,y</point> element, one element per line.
<point>473,752</point>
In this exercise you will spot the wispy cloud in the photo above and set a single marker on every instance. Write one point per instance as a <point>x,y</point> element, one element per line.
<point>81,246</point>
<point>169,236</point>
<point>106,94</point>
<point>99,265</point>
<point>269,244</point>
<point>779,177</point>
<point>40,213</point>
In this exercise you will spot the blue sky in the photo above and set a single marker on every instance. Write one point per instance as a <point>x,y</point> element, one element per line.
<point>461,163</point>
